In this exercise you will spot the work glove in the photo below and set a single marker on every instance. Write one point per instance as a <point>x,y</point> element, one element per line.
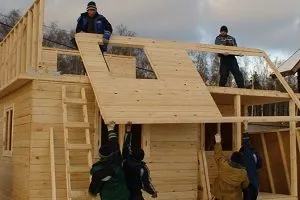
<point>111,126</point>
<point>106,37</point>
<point>128,127</point>
<point>154,195</point>
<point>218,138</point>
<point>246,136</point>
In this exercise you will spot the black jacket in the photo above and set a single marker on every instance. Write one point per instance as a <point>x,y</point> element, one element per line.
<point>136,171</point>
<point>100,24</point>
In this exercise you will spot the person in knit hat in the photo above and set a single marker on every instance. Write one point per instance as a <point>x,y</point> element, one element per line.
<point>228,63</point>
<point>232,176</point>
<point>108,178</point>
<point>136,171</point>
<point>93,22</point>
<point>252,161</point>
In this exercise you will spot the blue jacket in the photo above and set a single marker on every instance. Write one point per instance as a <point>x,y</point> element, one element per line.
<point>252,161</point>
<point>100,24</point>
<point>227,40</point>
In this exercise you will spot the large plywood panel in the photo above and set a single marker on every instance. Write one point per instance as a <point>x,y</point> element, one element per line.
<point>179,95</point>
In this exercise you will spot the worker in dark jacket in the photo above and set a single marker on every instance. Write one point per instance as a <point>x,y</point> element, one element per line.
<point>108,177</point>
<point>228,63</point>
<point>92,22</point>
<point>232,176</point>
<point>136,171</point>
<point>252,162</point>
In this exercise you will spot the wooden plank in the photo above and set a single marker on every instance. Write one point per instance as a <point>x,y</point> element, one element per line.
<point>146,140</point>
<point>284,161</point>
<point>77,125</point>
<point>138,42</point>
<point>266,156</point>
<point>293,150</point>
<point>282,81</point>
<point>40,32</point>
<point>52,157</point>
<point>29,40</point>
<point>237,131</point>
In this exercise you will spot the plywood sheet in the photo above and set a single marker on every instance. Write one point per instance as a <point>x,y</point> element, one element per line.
<point>178,95</point>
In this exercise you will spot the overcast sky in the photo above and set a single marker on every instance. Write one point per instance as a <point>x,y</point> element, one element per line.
<point>271,25</point>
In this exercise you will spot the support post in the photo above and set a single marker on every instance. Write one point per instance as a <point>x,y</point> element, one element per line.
<point>283,157</point>
<point>293,150</point>
<point>269,170</point>
<point>237,130</point>
<point>203,179</point>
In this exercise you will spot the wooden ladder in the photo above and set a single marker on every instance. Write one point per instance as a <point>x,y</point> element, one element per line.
<point>73,194</point>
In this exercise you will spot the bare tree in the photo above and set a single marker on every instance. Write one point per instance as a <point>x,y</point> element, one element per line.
<point>200,60</point>
<point>7,21</point>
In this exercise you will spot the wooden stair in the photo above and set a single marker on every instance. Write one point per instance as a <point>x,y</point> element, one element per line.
<point>85,125</point>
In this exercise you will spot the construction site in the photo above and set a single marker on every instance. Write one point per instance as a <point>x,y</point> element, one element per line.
<point>51,125</point>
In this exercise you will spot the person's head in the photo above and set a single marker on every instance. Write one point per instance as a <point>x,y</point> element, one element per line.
<point>91,8</point>
<point>138,154</point>
<point>223,30</point>
<point>237,157</point>
<point>105,151</point>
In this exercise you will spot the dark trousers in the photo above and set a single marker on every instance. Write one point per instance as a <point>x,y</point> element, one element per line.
<point>250,193</point>
<point>136,195</point>
<point>229,64</point>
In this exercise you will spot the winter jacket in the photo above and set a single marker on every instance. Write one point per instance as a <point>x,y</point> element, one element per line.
<point>226,41</point>
<point>231,180</point>
<point>136,171</point>
<point>252,161</point>
<point>100,24</point>
<point>108,178</point>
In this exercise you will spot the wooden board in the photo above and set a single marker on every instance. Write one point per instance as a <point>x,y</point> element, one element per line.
<point>172,98</point>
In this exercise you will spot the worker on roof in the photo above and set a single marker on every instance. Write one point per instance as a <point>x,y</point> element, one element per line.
<point>228,63</point>
<point>93,22</point>
<point>252,162</point>
<point>232,176</point>
<point>108,177</point>
<point>136,171</point>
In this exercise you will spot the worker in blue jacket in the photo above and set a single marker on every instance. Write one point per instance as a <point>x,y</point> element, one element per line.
<point>93,22</point>
<point>252,162</point>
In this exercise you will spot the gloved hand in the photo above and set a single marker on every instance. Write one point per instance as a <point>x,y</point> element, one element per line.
<point>106,37</point>
<point>246,136</point>
<point>111,126</point>
<point>154,195</point>
<point>218,138</point>
<point>128,127</point>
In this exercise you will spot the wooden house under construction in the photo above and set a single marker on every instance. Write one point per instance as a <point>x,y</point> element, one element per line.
<point>51,125</point>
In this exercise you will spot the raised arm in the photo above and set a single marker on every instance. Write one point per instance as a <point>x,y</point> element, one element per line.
<point>219,157</point>
<point>146,181</point>
<point>127,149</point>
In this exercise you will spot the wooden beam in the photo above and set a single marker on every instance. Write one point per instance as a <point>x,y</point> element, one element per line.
<point>203,179</point>
<point>40,31</point>
<point>97,132</point>
<point>138,42</point>
<point>282,80</point>
<point>269,170</point>
<point>52,157</point>
<point>237,131</point>
<point>122,131</point>
<point>284,161</point>
<point>63,51</point>
<point>298,139</point>
<point>293,150</point>
<point>146,139</point>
